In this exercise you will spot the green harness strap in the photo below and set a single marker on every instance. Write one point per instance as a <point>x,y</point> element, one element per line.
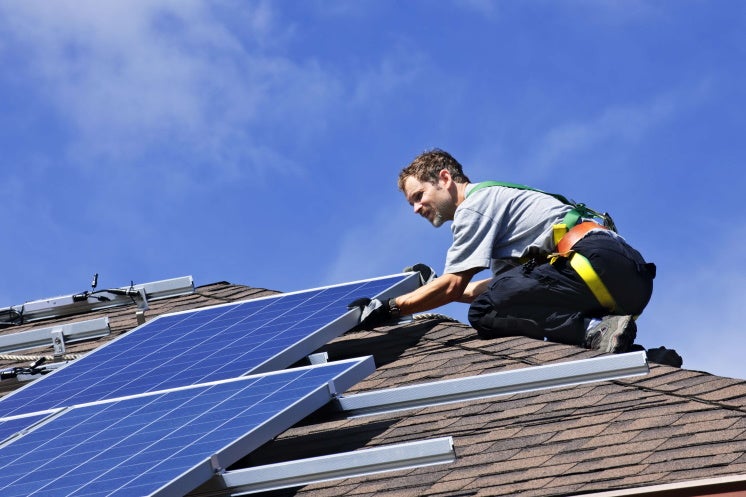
<point>572,218</point>
<point>580,264</point>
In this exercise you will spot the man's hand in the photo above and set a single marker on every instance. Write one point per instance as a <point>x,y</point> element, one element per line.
<point>427,274</point>
<point>374,312</point>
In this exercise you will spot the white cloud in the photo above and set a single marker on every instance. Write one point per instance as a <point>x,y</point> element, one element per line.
<point>622,124</point>
<point>136,77</point>
<point>188,92</point>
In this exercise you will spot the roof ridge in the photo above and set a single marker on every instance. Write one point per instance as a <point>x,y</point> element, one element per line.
<point>254,292</point>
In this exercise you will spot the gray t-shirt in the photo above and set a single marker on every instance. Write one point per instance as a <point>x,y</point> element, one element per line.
<point>495,226</point>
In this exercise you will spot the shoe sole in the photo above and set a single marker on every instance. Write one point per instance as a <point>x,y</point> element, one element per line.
<point>621,338</point>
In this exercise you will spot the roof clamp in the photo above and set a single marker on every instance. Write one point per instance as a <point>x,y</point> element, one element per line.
<point>318,358</point>
<point>141,307</point>
<point>144,304</point>
<point>58,342</point>
<point>333,390</point>
<point>215,465</point>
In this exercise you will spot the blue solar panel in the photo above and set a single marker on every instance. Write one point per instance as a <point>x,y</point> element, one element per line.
<point>162,443</point>
<point>205,345</point>
<point>12,426</point>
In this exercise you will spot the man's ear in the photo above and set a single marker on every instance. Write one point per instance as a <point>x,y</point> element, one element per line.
<point>444,178</point>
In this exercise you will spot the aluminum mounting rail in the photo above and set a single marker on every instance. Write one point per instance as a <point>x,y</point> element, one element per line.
<point>331,467</point>
<point>44,337</point>
<point>607,367</point>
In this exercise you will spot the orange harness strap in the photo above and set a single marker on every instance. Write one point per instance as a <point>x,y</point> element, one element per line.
<point>575,234</point>
<point>580,264</point>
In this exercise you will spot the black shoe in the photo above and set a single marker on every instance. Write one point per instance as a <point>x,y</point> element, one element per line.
<point>662,355</point>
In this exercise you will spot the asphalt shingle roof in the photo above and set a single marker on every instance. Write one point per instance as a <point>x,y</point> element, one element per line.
<point>671,425</point>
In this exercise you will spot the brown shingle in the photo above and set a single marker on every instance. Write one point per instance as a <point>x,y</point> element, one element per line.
<point>671,425</point>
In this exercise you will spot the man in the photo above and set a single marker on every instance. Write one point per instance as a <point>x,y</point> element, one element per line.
<point>588,295</point>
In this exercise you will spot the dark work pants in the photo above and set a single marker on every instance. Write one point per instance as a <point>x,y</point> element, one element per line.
<point>552,302</point>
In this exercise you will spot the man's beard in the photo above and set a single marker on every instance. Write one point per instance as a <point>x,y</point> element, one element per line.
<point>437,219</point>
<point>443,211</point>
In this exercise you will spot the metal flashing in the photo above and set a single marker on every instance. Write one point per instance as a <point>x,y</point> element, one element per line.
<point>600,368</point>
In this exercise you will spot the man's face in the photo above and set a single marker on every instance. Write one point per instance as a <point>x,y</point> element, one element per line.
<point>431,201</point>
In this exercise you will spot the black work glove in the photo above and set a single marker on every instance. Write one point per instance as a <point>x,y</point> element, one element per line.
<point>374,312</point>
<point>427,274</point>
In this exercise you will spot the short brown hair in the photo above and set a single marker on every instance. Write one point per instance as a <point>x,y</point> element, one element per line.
<point>427,166</point>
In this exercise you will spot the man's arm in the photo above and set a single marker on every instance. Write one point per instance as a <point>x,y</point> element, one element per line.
<point>473,290</point>
<point>476,288</point>
<point>451,287</point>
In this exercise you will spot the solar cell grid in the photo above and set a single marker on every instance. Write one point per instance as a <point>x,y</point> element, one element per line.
<point>204,345</point>
<point>158,444</point>
<point>9,427</point>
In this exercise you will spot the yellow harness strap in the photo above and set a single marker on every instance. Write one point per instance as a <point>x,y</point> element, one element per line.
<point>583,267</point>
<point>559,230</point>
<point>581,264</point>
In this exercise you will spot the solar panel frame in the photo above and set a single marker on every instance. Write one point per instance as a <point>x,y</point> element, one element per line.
<point>16,425</point>
<point>109,372</point>
<point>167,443</point>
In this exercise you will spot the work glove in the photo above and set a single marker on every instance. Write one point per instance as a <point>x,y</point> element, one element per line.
<point>374,312</point>
<point>427,274</point>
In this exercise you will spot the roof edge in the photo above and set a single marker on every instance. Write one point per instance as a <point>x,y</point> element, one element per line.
<point>704,487</point>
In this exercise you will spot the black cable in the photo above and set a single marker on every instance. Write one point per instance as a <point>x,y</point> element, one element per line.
<point>34,368</point>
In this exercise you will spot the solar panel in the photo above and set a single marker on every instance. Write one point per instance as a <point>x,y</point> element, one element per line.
<point>205,345</point>
<point>168,442</point>
<point>15,425</point>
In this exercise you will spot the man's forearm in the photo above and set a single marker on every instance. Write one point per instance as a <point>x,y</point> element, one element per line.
<point>473,290</point>
<point>440,291</point>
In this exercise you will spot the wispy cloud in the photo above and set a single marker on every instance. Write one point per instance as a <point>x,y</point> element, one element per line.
<point>138,77</point>
<point>615,12</point>
<point>699,313</point>
<point>194,93</point>
<point>400,68</point>
<point>388,240</point>
<point>621,124</point>
<point>486,8</point>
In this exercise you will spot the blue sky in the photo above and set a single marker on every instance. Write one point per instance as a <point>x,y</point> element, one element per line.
<point>259,142</point>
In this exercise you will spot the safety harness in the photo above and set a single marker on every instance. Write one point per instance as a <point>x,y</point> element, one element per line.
<point>577,223</point>
<point>580,263</point>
